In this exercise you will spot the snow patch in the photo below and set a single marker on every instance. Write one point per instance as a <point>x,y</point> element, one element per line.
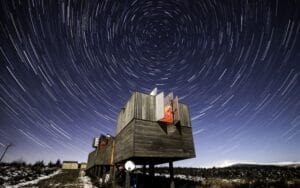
<point>33,181</point>
<point>84,180</point>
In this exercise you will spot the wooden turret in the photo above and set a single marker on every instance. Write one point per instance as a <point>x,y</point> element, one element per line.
<point>145,135</point>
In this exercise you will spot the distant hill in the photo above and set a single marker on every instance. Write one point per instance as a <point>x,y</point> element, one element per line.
<point>276,164</point>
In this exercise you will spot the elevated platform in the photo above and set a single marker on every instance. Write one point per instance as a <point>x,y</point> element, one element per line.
<point>144,140</point>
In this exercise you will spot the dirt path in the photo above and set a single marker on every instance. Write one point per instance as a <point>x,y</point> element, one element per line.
<point>67,178</point>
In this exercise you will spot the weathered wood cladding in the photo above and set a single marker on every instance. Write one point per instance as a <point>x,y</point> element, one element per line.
<point>142,106</point>
<point>102,155</point>
<point>126,114</point>
<point>151,140</point>
<point>144,138</point>
<point>139,106</point>
<point>91,159</point>
<point>184,115</point>
<point>105,153</point>
<point>124,143</point>
<point>141,138</point>
<point>145,107</point>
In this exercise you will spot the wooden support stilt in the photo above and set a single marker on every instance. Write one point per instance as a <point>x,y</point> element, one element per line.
<point>98,171</point>
<point>172,183</point>
<point>103,176</point>
<point>151,170</point>
<point>127,181</point>
<point>171,169</point>
<point>99,174</point>
<point>114,183</point>
<point>144,170</point>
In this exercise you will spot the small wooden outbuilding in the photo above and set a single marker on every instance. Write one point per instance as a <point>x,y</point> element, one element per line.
<point>82,166</point>
<point>70,165</point>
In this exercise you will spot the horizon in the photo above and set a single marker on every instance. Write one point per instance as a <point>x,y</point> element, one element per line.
<point>67,68</point>
<point>217,164</point>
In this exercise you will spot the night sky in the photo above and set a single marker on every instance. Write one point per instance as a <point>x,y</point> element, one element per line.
<point>67,67</point>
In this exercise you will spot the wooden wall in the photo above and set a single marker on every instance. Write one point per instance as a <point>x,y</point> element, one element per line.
<point>144,137</point>
<point>145,107</point>
<point>105,153</point>
<point>151,140</point>
<point>68,166</point>
<point>124,143</point>
<point>91,159</point>
<point>184,115</point>
<point>126,114</point>
<point>102,155</point>
<point>142,106</point>
<point>139,106</point>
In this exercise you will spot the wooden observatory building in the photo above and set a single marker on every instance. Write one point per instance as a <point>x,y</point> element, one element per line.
<point>101,159</point>
<point>153,129</point>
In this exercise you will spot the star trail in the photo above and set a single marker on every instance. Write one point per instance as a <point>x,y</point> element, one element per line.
<point>67,67</point>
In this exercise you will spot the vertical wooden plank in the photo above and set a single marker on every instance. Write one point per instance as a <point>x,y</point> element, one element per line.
<point>144,106</point>
<point>147,99</point>
<point>135,105</point>
<point>126,114</point>
<point>138,106</point>
<point>152,108</point>
<point>124,143</point>
<point>120,121</point>
<point>129,110</point>
<point>184,115</point>
<point>159,106</point>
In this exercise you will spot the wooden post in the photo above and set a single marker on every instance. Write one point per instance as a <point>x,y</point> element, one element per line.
<point>104,169</point>
<point>100,175</point>
<point>172,183</point>
<point>127,181</point>
<point>99,171</point>
<point>151,170</point>
<point>144,169</point>
<point>112,153</point>
<point>114,182</point>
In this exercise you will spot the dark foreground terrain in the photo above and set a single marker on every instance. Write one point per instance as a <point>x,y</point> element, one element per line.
<point>12,175</point>
<point>19,172</point>
<point>230,177</point>
<point>236,176</point>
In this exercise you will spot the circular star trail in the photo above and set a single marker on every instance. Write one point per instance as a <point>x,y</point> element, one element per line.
<point>67,67</point>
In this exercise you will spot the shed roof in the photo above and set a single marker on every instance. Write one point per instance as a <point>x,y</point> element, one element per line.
<point>70,162</point>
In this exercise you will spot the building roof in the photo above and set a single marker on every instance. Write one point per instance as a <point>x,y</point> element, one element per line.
<point>70,162</point>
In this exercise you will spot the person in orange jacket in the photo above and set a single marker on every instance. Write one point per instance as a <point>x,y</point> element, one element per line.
<point>168,115</point>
